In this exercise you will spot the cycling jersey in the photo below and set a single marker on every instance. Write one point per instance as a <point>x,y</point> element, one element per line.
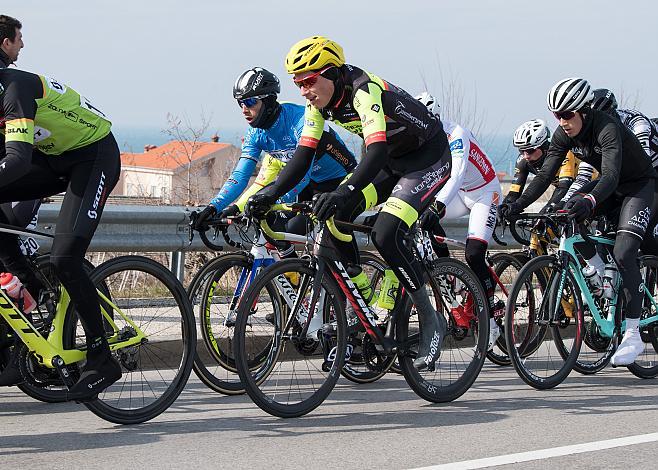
<point>608,146</point>
<point>471,168</point>
<point>279,142</point>
<point>40,111</point>
<point>644,129</point>
<point>563,177</point>
<point>376,110</point>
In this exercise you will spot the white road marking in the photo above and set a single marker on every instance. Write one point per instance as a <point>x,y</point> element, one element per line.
<point>547,453</point>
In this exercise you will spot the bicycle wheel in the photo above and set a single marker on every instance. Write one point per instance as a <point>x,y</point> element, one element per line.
<point>646,365</point>
<point>366,364</point>
<point>542,344</point>
<point>452,284</point>
<point>294,379</point>
<point>507,267</point>
<point>155,371</point>
<point>214,292</point>
<point>43,383</point>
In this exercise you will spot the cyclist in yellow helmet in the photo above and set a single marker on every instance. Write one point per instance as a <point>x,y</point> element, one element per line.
<point>407,161</point>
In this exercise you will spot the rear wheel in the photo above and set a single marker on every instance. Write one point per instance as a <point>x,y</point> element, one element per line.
<point>452,285</point>
<point>646,365</point>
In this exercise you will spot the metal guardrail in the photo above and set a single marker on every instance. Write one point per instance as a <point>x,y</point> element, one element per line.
<point>135,228</point>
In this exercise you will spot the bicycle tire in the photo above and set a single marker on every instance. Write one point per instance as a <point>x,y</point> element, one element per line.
<point>424,383</point>
<point>257,384</point>
<point>522,359</point>
<point>502,261</point>
<point>114,274</point>
<point>210,368</point>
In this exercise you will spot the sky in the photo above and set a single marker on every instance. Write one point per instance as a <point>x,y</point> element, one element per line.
<point>490,62</point>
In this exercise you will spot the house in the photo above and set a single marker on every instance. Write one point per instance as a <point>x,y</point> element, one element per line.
<point>178,172</point>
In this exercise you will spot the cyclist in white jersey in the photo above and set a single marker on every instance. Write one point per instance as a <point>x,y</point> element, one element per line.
<point>473,189</point>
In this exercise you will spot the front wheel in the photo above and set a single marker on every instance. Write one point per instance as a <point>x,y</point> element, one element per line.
<point>155,371</point>
<point>306,341</point>
<point>543,338</point>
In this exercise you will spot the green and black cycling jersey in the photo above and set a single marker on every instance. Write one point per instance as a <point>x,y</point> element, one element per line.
<point>40,112</point>
<point>391,122</point>
<point>610,147</point>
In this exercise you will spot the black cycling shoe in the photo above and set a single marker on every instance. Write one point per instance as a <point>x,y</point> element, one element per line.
<point>11,374</point>
<point>101,371</point>
<point>433,329</point>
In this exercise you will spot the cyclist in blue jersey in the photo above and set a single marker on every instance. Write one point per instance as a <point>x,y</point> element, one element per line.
<point>275,129</point>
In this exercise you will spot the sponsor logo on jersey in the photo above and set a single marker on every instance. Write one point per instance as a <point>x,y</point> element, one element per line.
<point>40,134</point>
<point>309,122</point>
<point>16,130</point>
<point>457,145</point>
<point>55,85</point>
<point>401,111</point>
<point>337,155</point>
<point>375,107</point>
<point>479,159</point>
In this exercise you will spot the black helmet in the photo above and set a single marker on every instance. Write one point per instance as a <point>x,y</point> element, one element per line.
<point>256,82</point>
<point>604,100</point>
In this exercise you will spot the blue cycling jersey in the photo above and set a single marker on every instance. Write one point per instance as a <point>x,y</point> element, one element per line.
<point>280,141</point>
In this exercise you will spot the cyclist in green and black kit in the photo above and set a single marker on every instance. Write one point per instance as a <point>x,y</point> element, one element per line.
<point>56,140</point>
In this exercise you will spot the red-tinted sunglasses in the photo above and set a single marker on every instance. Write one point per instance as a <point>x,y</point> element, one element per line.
<point>309,80</point>
<point>566,115</point>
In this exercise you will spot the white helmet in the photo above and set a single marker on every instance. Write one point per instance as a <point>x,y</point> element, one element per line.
<point>570,94</point>
<point>429,101</point>
<point>531,134</point>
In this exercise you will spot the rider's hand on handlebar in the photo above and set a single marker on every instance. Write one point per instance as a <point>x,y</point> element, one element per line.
<point>201,222</point>
<point>430,220</point>
<point>579,207</point>
<point>508,209</point>
<point>230,211</point>
<point>326,204</point>
<point>259,204</point>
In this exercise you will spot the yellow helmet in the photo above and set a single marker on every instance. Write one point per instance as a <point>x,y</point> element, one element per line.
<point>314,53</point>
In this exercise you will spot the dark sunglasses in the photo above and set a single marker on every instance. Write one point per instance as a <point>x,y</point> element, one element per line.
<point>250,102</point>
<point>566,115</point>
<point>528,151</point>
<point>309,80</point>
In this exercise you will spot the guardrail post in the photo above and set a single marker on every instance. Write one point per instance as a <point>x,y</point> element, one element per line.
<point>177,263</point>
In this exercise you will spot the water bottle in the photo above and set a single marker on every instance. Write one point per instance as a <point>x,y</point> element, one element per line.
<point>388,290</point>
<point>14,289</point>
<point>593,280</point>
<point>610,280</point>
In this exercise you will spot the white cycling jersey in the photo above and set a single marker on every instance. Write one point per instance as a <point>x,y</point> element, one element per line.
<point>473,187</point>
<point>471,168</point>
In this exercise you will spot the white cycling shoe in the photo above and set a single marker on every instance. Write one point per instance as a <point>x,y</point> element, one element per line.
<point>630,347</point>
<point>494,333</point>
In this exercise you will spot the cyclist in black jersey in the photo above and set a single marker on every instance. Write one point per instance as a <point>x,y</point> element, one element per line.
<point>407,161</point>
<point>627,179</point>
<point>56,141</point>
<point>532,138</point>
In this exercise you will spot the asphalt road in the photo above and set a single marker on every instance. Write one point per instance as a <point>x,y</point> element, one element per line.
<point>380,425</point>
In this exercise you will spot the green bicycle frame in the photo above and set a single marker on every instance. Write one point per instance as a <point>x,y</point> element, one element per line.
<point>606,325</point>
<point>47,349</point>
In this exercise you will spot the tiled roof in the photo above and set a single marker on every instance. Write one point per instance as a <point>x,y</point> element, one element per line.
<point>171,155</point>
